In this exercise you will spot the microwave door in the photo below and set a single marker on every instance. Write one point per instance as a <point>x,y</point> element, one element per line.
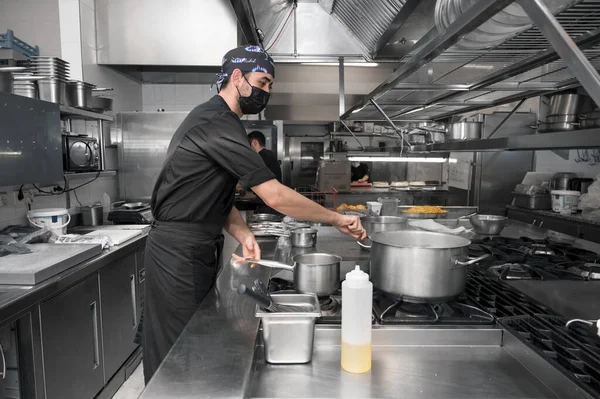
<point>80,154</point>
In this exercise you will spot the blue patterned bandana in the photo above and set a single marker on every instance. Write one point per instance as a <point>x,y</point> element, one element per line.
<point>247,59</point>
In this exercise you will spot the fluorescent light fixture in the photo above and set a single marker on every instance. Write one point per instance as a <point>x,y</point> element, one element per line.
<point>397,159</point>
<point>11,153</point>
<point>349,64</point>
<point>453,160</point>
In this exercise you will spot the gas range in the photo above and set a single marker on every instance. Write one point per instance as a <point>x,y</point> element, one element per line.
<point>527,259</point>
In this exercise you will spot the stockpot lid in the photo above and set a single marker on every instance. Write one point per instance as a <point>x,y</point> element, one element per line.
<point>419,239</point>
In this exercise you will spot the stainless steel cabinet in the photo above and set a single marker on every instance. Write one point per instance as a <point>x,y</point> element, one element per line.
<point>589,233</point>
<point>119,304</point>
<point>302,161</point>
<point>71,340</point>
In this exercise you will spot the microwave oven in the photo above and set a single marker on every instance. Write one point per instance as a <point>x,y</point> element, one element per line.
<point>80,153</point>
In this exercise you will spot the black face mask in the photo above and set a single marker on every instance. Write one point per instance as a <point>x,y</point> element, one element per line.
<point>255,102</point>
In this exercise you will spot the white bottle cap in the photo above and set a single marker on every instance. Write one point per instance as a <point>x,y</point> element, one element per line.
<point>357,275</point>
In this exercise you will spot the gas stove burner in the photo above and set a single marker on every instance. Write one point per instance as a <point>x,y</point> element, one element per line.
<point>514,271</point>
<point>329,306</point>
<point>537,250</point>
<point>397,311</point>
<point>588,271</point>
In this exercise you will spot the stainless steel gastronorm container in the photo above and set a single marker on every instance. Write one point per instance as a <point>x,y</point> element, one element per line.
<point>288,337</point>
<point>537,201</point>
<point>461,131</point>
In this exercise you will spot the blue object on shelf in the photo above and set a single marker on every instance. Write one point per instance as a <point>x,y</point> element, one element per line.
<point>9,41</point>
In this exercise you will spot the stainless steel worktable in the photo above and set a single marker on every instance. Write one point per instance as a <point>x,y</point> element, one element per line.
<point>218,355</point>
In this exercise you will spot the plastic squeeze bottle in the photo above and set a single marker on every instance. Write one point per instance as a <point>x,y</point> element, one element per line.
<point>357,300</point>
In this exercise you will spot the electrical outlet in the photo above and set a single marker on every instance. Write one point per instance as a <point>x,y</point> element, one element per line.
<point>3,199</point>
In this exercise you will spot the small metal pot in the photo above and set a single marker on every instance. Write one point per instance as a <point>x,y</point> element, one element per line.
<point>304,237</point>
<point>562,181</point>
<point>420,266</point>
<point>488,224</point>
<point>375,224</point>
<point>79,94</point>
<point>462,131</point>
<point>569,104</point>
<point>315,273</point>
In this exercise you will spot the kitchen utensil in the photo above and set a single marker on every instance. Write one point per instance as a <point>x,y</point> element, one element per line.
<point>100,104</point>
<point>264,217</point>
<point>304,237</point>
<point>6,78</point>
<point>52,90</point>
<point>264,299</point>
<point>92,215</point>
<point>438,215</point>
<point>420,266</point>
<point>535,201</point>
<point>488,224</point>
<point>262,288</point>
<point>561,181</point>
<point>556,127</point>
<point>569,104</point>
<point>580,184</point>
<point>315,273</point>
<point>79,94</point>
<point>462,131</point>
<point>288,336</point>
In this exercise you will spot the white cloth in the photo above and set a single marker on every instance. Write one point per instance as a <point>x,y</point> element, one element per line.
<point>431,225</point>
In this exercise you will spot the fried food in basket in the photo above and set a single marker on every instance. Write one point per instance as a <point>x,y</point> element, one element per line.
<point>426,209</point>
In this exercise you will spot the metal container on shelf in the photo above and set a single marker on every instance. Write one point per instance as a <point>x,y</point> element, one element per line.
<point>79,94</point>
<point>569,104</point>
<point>7,79</point>
<point>92,215</point>
<point>304,237</point>
<point>288,336</point>
<point>533,201</point>
<point>52,90</point>
<point>562,181</point>
<point>461,131</point>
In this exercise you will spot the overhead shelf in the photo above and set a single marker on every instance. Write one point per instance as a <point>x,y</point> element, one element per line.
<point>460,81</point>
<point>82,114</point>
<point>575,139</point>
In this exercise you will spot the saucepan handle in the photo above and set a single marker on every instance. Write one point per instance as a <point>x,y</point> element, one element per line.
<point>471,261</point>
<point>270,263</point>
<point>364,245</point>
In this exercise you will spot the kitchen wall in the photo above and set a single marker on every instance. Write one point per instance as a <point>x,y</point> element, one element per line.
<point>547,161</point>
<point>34,21</point>
<point>66,28</point>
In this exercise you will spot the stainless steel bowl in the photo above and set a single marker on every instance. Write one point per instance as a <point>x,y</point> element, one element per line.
<point>488,224</point>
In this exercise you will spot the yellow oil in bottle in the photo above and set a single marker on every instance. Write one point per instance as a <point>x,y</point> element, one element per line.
<point>356,358</point>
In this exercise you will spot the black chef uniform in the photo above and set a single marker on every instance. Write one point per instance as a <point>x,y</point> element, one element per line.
<point>192,198</point>
<point>270,159</point>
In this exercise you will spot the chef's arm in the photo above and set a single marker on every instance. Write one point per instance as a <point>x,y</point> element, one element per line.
<point>289,202</point>
<point>364,179</point>
<point>236,226</point>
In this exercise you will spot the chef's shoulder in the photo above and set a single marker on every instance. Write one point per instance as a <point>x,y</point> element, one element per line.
<point>222,122</point>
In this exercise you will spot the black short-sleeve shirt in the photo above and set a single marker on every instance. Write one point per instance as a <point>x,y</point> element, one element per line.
<point>208,154</point>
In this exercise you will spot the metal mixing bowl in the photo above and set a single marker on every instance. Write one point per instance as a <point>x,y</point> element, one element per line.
<point>488,224</point>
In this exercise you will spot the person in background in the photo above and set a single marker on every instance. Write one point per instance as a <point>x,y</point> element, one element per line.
<point>257,142</point>
<point>359,172</point>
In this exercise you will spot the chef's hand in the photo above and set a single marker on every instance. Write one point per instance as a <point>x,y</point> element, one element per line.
<point>351,225</point>
<point>250,249</point>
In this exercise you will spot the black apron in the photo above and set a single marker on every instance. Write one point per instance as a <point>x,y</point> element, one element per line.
<point>182,261</point>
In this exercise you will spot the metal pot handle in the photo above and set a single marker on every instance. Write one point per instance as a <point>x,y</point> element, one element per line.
<point>270,263</point>
<point>363,245</point>
<point>470,261</point>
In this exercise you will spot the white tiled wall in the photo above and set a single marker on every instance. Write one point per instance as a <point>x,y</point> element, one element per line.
<point>175,97</point>
<point>547,161</point>
<point>34,21</point>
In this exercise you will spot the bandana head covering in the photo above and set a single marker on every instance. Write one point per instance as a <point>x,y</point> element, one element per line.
<point>246,58</point>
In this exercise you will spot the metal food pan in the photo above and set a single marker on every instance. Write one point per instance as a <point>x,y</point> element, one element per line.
<point>411,215</point>
<point>288,336</point>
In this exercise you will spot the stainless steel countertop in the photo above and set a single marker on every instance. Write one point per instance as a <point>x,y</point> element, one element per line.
<point>218,355</point>
<point>17,299</point>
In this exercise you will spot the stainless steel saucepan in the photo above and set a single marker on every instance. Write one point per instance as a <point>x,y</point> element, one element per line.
<point>420,266</point>
<point>315,273</point>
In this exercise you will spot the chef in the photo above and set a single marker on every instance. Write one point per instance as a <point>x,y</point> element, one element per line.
<point>193,197</point>
<point>258,142</point>
<point>359,172</point>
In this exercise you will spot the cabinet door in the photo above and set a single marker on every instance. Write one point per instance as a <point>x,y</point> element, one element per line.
<point>589,233</point>
<point>523,216</point>
<point>119,312</point>
<point>72,347</point>
<point>561,226</point>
